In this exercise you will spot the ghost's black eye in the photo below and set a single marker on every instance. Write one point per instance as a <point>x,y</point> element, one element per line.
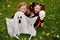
<point>20,16</point>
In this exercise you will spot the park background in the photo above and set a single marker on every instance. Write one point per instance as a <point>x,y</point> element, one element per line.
<point>51,30</point>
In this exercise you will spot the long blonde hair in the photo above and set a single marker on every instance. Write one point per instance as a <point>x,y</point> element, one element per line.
<point>22,4</point>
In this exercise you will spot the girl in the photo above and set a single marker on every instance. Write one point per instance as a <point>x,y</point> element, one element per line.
<point>35,8</point>
<point>22,7</point>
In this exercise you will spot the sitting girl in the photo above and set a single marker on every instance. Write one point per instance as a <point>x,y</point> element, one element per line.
<point>36,9</point>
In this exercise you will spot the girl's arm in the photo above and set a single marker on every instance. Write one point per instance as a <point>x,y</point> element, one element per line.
<point>42,16</point>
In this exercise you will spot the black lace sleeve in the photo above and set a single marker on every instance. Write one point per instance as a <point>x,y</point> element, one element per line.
<point>41,21</point>
<point>28,15</point>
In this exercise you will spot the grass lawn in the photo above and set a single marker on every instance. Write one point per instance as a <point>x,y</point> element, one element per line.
<point>51,30</point>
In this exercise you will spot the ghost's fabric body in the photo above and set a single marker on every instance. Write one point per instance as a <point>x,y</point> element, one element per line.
<point>21,24</point>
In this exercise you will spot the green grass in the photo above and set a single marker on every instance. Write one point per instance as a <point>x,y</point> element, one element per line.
<point>51,30</point>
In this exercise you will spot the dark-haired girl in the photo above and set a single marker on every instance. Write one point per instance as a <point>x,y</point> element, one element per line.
<point>35,8</point>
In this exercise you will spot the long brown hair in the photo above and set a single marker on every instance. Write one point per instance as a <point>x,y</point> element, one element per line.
<point>33,4</point>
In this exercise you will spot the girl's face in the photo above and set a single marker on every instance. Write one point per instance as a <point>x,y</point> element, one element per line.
<point>23,9</point>
<point>37,8</point>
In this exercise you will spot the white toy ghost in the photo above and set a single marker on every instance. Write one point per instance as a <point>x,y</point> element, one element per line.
<point>21,24</point>
<point>42,14</point>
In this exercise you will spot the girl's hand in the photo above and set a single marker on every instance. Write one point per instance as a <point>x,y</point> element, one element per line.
<point>42,24</point>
